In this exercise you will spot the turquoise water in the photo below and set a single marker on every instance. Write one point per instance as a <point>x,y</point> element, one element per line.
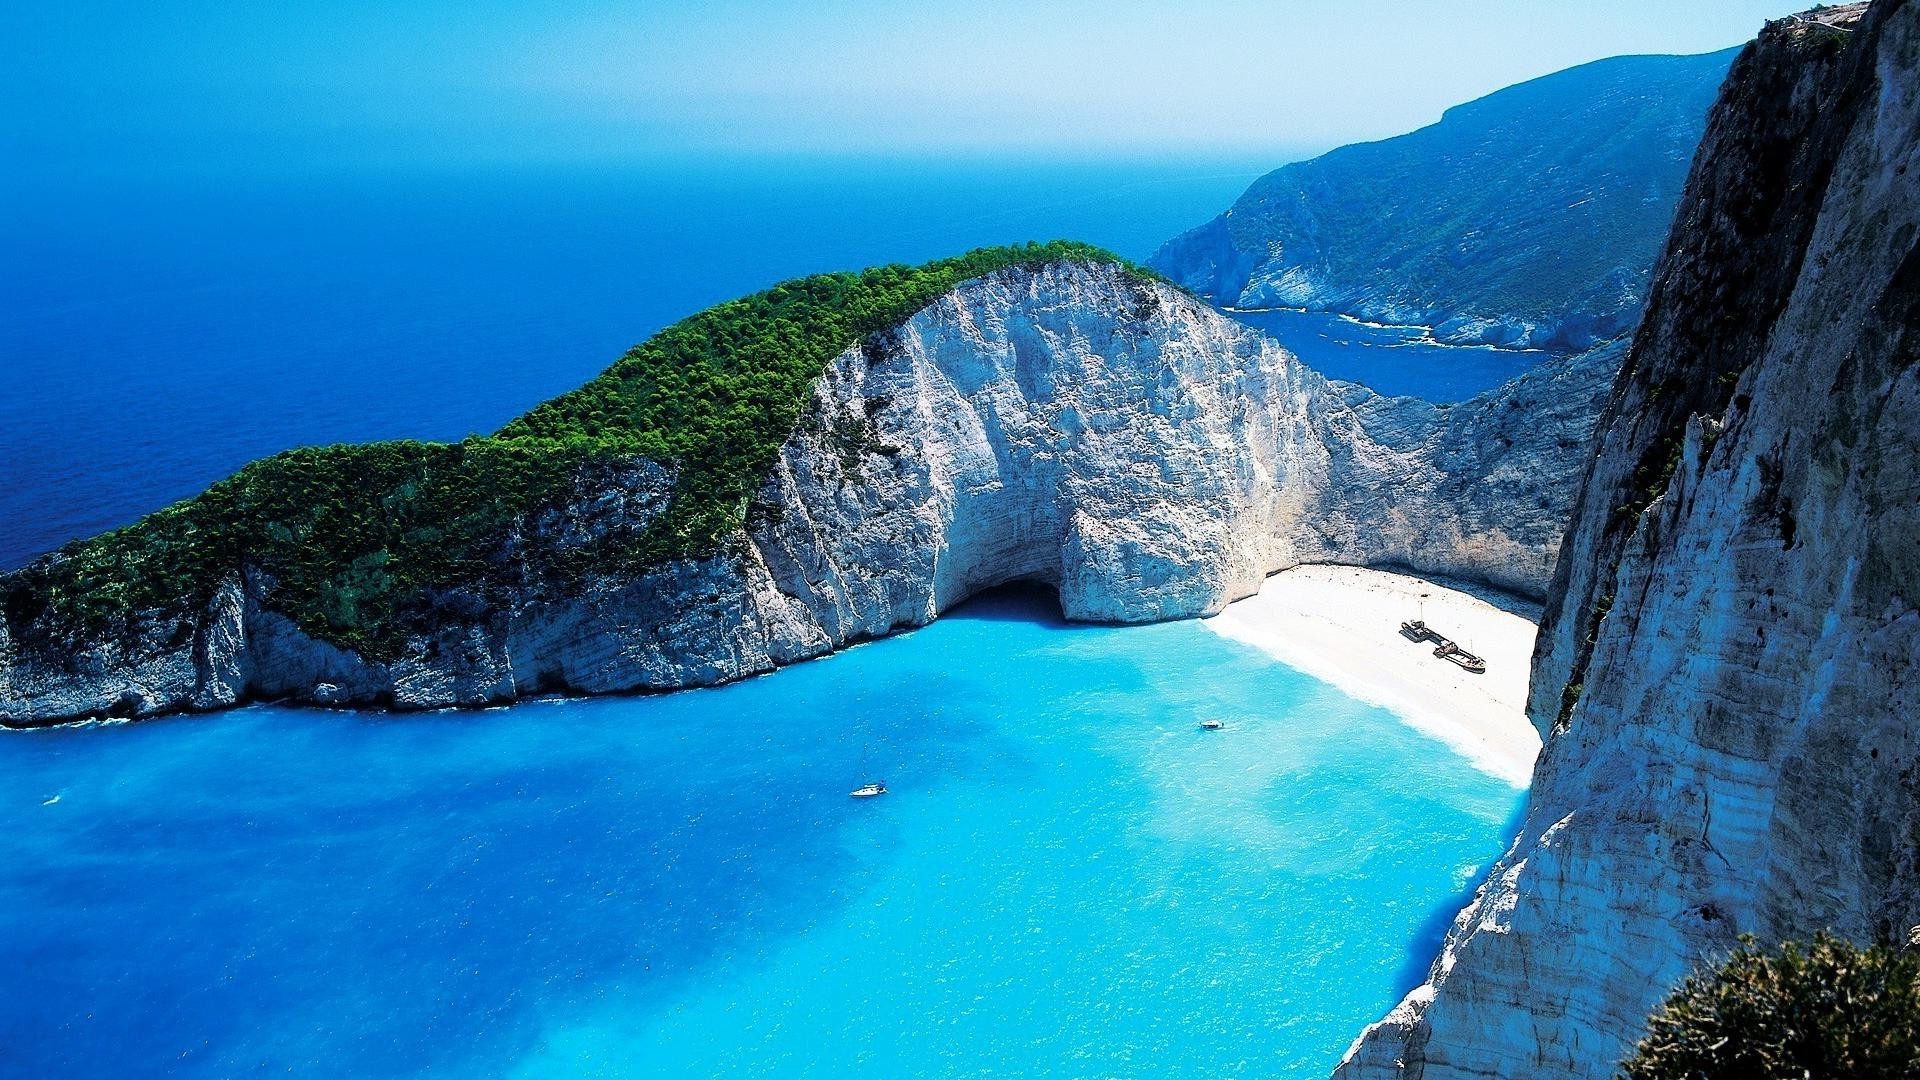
<point>1069,878</point>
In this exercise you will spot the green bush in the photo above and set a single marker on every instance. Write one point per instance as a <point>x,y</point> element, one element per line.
<point>365,540</point>
<point>1825,1011</point>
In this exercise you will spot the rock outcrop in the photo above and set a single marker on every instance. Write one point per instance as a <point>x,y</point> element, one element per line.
<point>1727,675</point>
<point>1531,217</point>
<point>1072,425</point>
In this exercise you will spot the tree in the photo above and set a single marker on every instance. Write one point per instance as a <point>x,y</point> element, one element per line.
<point>1826,1011</point>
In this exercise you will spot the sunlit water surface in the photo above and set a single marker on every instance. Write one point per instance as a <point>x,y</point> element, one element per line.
<point>1069,877</point>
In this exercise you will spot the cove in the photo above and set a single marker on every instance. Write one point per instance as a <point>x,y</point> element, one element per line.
<point>1069,877</point>
<point>1398,361</point>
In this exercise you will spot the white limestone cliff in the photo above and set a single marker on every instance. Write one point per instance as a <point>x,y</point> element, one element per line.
<point>1728,673</point>
<point>1073,425</point>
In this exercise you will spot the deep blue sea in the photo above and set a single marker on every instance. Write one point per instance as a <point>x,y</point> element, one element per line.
<point>1397,360</point>
<point>156,334</point>
<point>1069,877</point>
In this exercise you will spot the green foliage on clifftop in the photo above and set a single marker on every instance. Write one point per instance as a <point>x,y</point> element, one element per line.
<point>359,537</point>
<point>1829,1009</point>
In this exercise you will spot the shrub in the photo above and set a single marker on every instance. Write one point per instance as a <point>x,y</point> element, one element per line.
<point>365,540</point>
<point>1825,1011</point>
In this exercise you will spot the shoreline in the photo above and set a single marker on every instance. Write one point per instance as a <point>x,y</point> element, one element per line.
<point>1428,334</point>
<point>1341,625</point>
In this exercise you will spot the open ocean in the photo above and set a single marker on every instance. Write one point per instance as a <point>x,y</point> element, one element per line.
<point>1070,878</point>
<point>156,335</point>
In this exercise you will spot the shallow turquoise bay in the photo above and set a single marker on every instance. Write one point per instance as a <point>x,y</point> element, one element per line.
<point>1069,878</point>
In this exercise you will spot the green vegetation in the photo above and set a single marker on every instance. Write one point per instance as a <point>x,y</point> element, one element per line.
<point>1830,1010</point>
<point>1831,39</point>
<point>1654,471</point>
<point>363,540</point>
<point>1600,609</point>
<point>1569,697</point>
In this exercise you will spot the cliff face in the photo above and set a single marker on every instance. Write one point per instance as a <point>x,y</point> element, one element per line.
<point>1071,425</point>
<point>1727,673</point>
<point>1529,217</point>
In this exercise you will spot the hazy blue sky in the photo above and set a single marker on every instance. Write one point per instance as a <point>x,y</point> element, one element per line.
<point>279,82</point>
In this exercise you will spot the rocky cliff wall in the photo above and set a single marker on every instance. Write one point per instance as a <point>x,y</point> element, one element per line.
<point>1727,675</point>
<point>1529,217</point>
<point>1073,425</point>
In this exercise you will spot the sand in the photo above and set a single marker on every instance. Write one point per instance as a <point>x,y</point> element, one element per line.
<point>1341,624</point>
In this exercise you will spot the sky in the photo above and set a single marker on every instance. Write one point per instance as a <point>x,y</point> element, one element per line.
<point>271,83</point>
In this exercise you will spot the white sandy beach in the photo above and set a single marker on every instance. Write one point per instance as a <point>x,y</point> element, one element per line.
<point>1341,624</point>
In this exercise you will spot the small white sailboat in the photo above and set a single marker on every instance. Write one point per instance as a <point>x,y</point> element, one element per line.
<point>868,791</point>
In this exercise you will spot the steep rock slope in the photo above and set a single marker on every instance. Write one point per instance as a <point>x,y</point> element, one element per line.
<point>1529,217</point>
<point>1072,424</point>
<point>1727,676</point>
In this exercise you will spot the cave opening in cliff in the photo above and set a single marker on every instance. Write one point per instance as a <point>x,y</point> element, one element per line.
<point>1025,600</point>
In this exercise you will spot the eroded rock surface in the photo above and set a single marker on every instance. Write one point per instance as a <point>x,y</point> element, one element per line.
<point>1726,675</point>
<point>1072,425</point>
<point>1531,216</point>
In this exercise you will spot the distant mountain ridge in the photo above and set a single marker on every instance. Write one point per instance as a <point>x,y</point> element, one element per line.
<point>1728,663</point>
<point>1529,217</point>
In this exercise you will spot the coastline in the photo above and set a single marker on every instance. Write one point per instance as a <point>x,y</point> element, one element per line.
<point>1428,335</point>
<point>1341,624</point>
